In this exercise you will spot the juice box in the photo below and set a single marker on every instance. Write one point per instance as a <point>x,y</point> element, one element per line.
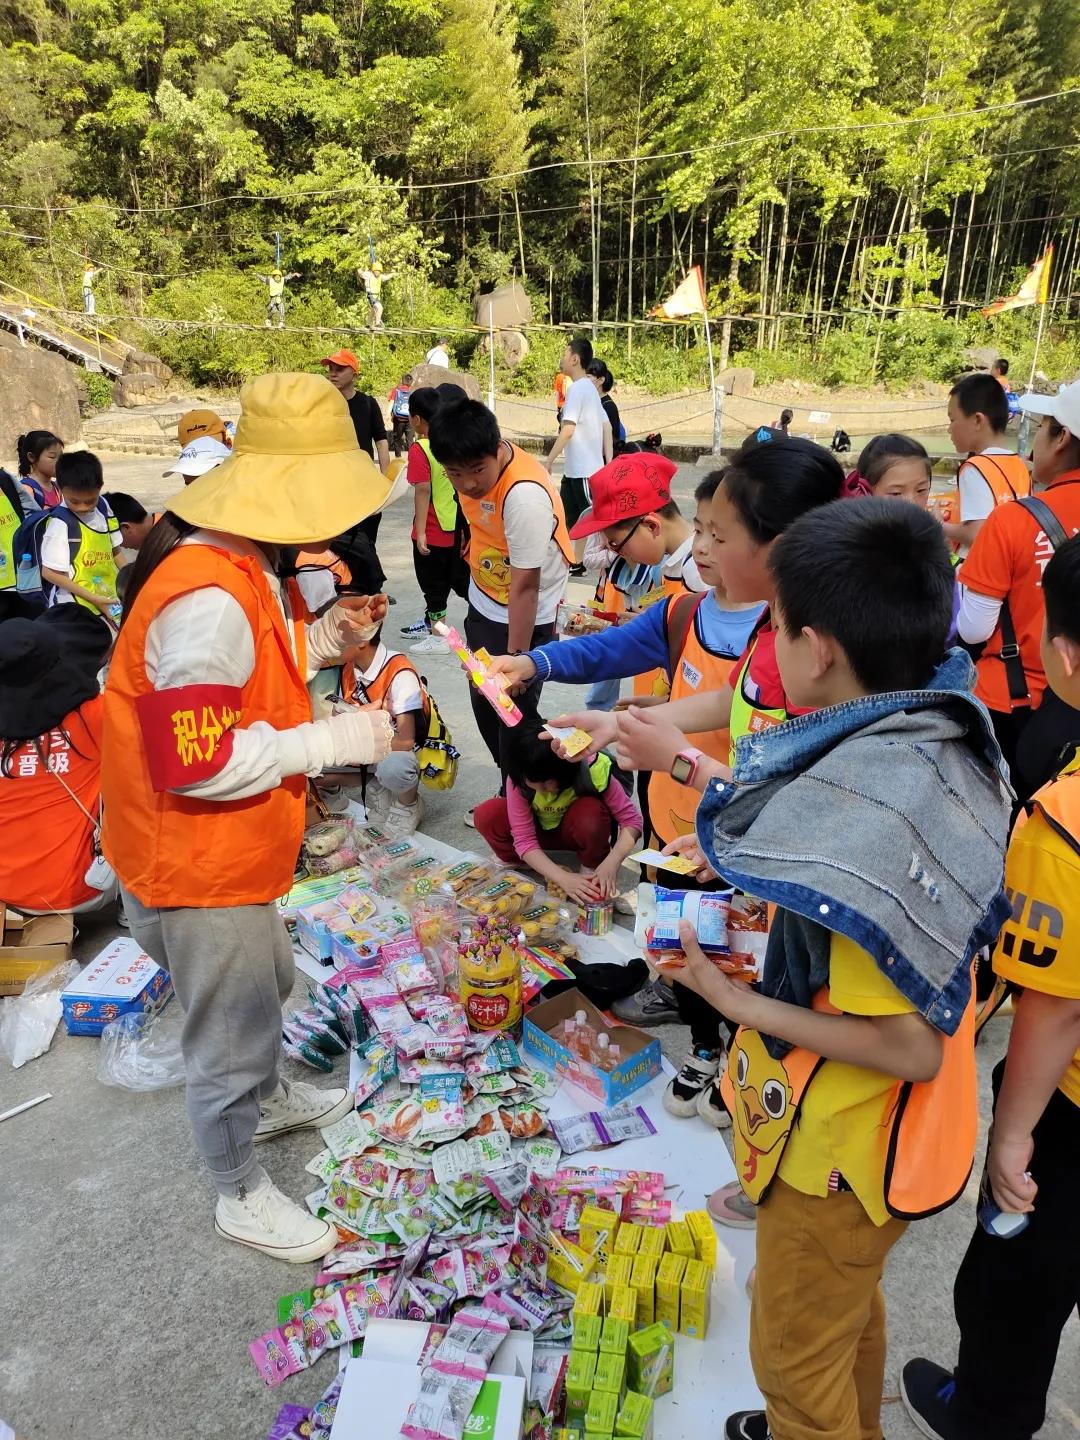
<point>615,1334</point>
<point>595,1435</point>
<point>622,1304</point>
<point>680,1239</point>
<point>650,1361</point>
<point>703,1232</point>
<point>668,1284</point>
<point>643,1283</point>
<point>619,1270</point>
<point>653,1241</point>
<point>610,1374</point>
<point>597,1229</point>
<point>695,1297</point>
<point>590,1299</point>
<point>579,1377</point>
<point>628,1239</point>
<point>568,1264</point>
<point>635,1419</point>
<point>586,1333</point>
<point>602,1411</point>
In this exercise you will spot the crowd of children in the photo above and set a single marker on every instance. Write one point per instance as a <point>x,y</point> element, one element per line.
<point>802,728</point>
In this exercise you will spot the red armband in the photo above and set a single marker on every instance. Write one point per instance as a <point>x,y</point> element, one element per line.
<point>187,732</point>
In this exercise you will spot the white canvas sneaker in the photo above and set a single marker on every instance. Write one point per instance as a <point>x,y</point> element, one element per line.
<point>297,1106</point>
<point>377,800</point>
<point>403,820</point>
<point>269,1221</point>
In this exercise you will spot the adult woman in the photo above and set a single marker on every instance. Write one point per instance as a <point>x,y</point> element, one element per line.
<point>208,740</point>
<point>50,760</point>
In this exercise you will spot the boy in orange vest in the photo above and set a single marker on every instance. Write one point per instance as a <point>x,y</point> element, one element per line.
<point>877,825</point>
<point>1013,1296</point>
<point>375,678</point>
<point>993,472</point>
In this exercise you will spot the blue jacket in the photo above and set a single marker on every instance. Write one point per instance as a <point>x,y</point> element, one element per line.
<point>884,819</point>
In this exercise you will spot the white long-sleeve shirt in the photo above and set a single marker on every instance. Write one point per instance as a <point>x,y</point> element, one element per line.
<point>203,638</point>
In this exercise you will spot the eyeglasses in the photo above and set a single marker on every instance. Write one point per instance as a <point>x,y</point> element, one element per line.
<point>621,546</point>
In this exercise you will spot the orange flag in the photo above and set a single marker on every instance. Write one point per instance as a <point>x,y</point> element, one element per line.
<point>688,299</point>
<point>1034,291</point>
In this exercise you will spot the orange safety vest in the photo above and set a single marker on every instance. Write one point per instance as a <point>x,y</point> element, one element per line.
<point>655,682</point>
<point>933,1124</point>
<point>329,561</point>
<point>170,849</point>
<point>695,669</point>
<point>1007,475</point>
<point>489,554</point>
<point>372,692</point>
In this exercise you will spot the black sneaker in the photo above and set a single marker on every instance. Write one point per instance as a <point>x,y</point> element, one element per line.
<point>576,572</point>
<point>711,1107</point>
<point>927,1391</point>
<point>417,629</point>
<point>747,1425</point>
<point>653,1004</point>
<point>698,1071</point>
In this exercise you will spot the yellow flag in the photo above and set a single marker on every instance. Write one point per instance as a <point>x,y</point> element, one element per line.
<point>1034,291</point>
<point>688,299</point>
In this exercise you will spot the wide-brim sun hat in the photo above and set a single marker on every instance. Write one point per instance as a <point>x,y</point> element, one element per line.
<point>49,667</point>
<point>296,473</point>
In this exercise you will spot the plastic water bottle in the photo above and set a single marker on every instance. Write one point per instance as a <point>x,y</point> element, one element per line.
<point>28,576</point>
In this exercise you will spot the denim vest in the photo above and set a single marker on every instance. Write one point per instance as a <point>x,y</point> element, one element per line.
<point>884,819</point>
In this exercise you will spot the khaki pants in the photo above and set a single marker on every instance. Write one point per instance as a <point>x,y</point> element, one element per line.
<point>817,1323</point>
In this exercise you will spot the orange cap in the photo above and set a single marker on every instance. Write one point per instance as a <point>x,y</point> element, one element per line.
<point>194,424</point>
<point>342,357</point>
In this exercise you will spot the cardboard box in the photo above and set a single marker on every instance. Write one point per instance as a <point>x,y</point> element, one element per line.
<point>402,1342</point>
<point>121,980</point>
<point>376,1395</point>
<point>31,945</point>
<point>640,1052</point>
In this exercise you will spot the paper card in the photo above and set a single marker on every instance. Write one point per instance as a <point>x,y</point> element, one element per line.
<point>678,864</point>
<point>574,740</point>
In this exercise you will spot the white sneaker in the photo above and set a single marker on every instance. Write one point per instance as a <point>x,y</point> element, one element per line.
<point>297,1106</point>
<point>378,801</point>
<point>403,820</point>
<point>334,798</point>
<point>431,646</point>
<point>470,818</point>
<point>269,1221</point>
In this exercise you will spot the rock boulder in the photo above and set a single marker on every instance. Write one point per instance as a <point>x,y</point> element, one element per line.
<point>508,307</point>
<point>736,380</point>
<point>39,390</point>
<point>440,375</point>
<point>140,388</point>
<point>141,362</point>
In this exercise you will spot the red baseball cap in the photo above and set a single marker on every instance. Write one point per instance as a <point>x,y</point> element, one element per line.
<point>625,489</point>
<point>342,357</point>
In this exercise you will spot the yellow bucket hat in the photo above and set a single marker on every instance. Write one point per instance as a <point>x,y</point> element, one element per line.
<point>296,473</point>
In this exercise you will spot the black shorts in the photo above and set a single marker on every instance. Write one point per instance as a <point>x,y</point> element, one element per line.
<point>576,499</point>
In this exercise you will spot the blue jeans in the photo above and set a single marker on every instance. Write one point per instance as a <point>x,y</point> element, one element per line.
<point>602,695</point>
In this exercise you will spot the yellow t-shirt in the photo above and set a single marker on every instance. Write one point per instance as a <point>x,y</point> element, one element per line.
<point>845,1119</point>
<point>1041,949</point>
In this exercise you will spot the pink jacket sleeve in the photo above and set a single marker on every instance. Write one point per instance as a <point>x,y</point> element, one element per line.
<point>520,814</point>
<point>623,810</point>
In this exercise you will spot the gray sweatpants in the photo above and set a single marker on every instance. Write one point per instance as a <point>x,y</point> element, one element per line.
<point>232,970</point>
<point>399,772</point>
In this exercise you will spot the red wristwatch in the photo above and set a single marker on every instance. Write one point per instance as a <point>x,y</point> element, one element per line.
<point>684,766</point>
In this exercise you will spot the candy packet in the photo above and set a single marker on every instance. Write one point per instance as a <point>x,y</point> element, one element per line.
<point>334,863</point>
<point>326,1326</point>
<point>541,1157</point>
<point>301,1049</point>
<point>414,1039</point>
<point>522,1122</point>
<point>483,1153</point>
<point>280,1353</point>
<point>446,1017</point>
<point>500,1054</point>
<point>349,1136</point>
<point>660,911</point>
<point>442,1409</point>
<point>469,1345</point>
<point>443,1114</point>
<point>507,1185</point>
<point>401,1122</point>
<point>598,1128</point>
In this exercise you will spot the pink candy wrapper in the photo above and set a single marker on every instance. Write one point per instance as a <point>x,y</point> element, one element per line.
<point>280,1353</point>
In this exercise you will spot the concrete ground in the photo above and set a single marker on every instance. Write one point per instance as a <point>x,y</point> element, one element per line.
<point>124,1315</point>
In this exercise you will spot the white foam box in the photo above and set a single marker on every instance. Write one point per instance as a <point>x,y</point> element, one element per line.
<point>402,1342</point>
<point>121,980</point>
<point>376,1395</point>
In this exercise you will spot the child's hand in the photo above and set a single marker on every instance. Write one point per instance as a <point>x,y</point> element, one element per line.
<point>580,888</point>
<point>605,877</point>
<point>1013,1188</point>
<point>516,670</point>
<point>646,741</point>
<point>706,980</point>
<point>687,845</point>
<point>600,724</point>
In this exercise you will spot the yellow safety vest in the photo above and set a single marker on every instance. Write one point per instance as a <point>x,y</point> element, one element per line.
<point>550,810</point>
<point>93,566</point>
<point>10,520</point>
<point>746,717</point>
<point>443,495</point>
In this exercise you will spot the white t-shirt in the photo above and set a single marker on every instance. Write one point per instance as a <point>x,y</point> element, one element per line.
<point>584,453</point>
<point>681,565</point>
<point>438,355</point>
<point>529,522</point>
<point>56,552</point>
<point>404,691</point>
<point>976,497</point>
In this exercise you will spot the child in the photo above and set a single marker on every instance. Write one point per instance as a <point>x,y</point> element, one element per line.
<point>399,413</point>
<point>80,547</point>
<point>556,804</point>
<point>993,472</point>
<point>38,452</point>
<point>374,677</point>
<point>694,645</point>
<point>893,467</point>
<point>1012,1297</point>
<point>632,505</point>
<point>877,824</point>
<point>134,520</point>
<point>437,558</point>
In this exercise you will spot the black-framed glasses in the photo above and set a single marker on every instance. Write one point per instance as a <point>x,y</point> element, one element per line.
<point>621,546</point>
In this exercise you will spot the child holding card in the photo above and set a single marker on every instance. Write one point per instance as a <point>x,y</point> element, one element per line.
<point>553,804</point>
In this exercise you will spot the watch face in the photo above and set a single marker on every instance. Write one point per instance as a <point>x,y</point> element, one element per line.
<point>681,769</point>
